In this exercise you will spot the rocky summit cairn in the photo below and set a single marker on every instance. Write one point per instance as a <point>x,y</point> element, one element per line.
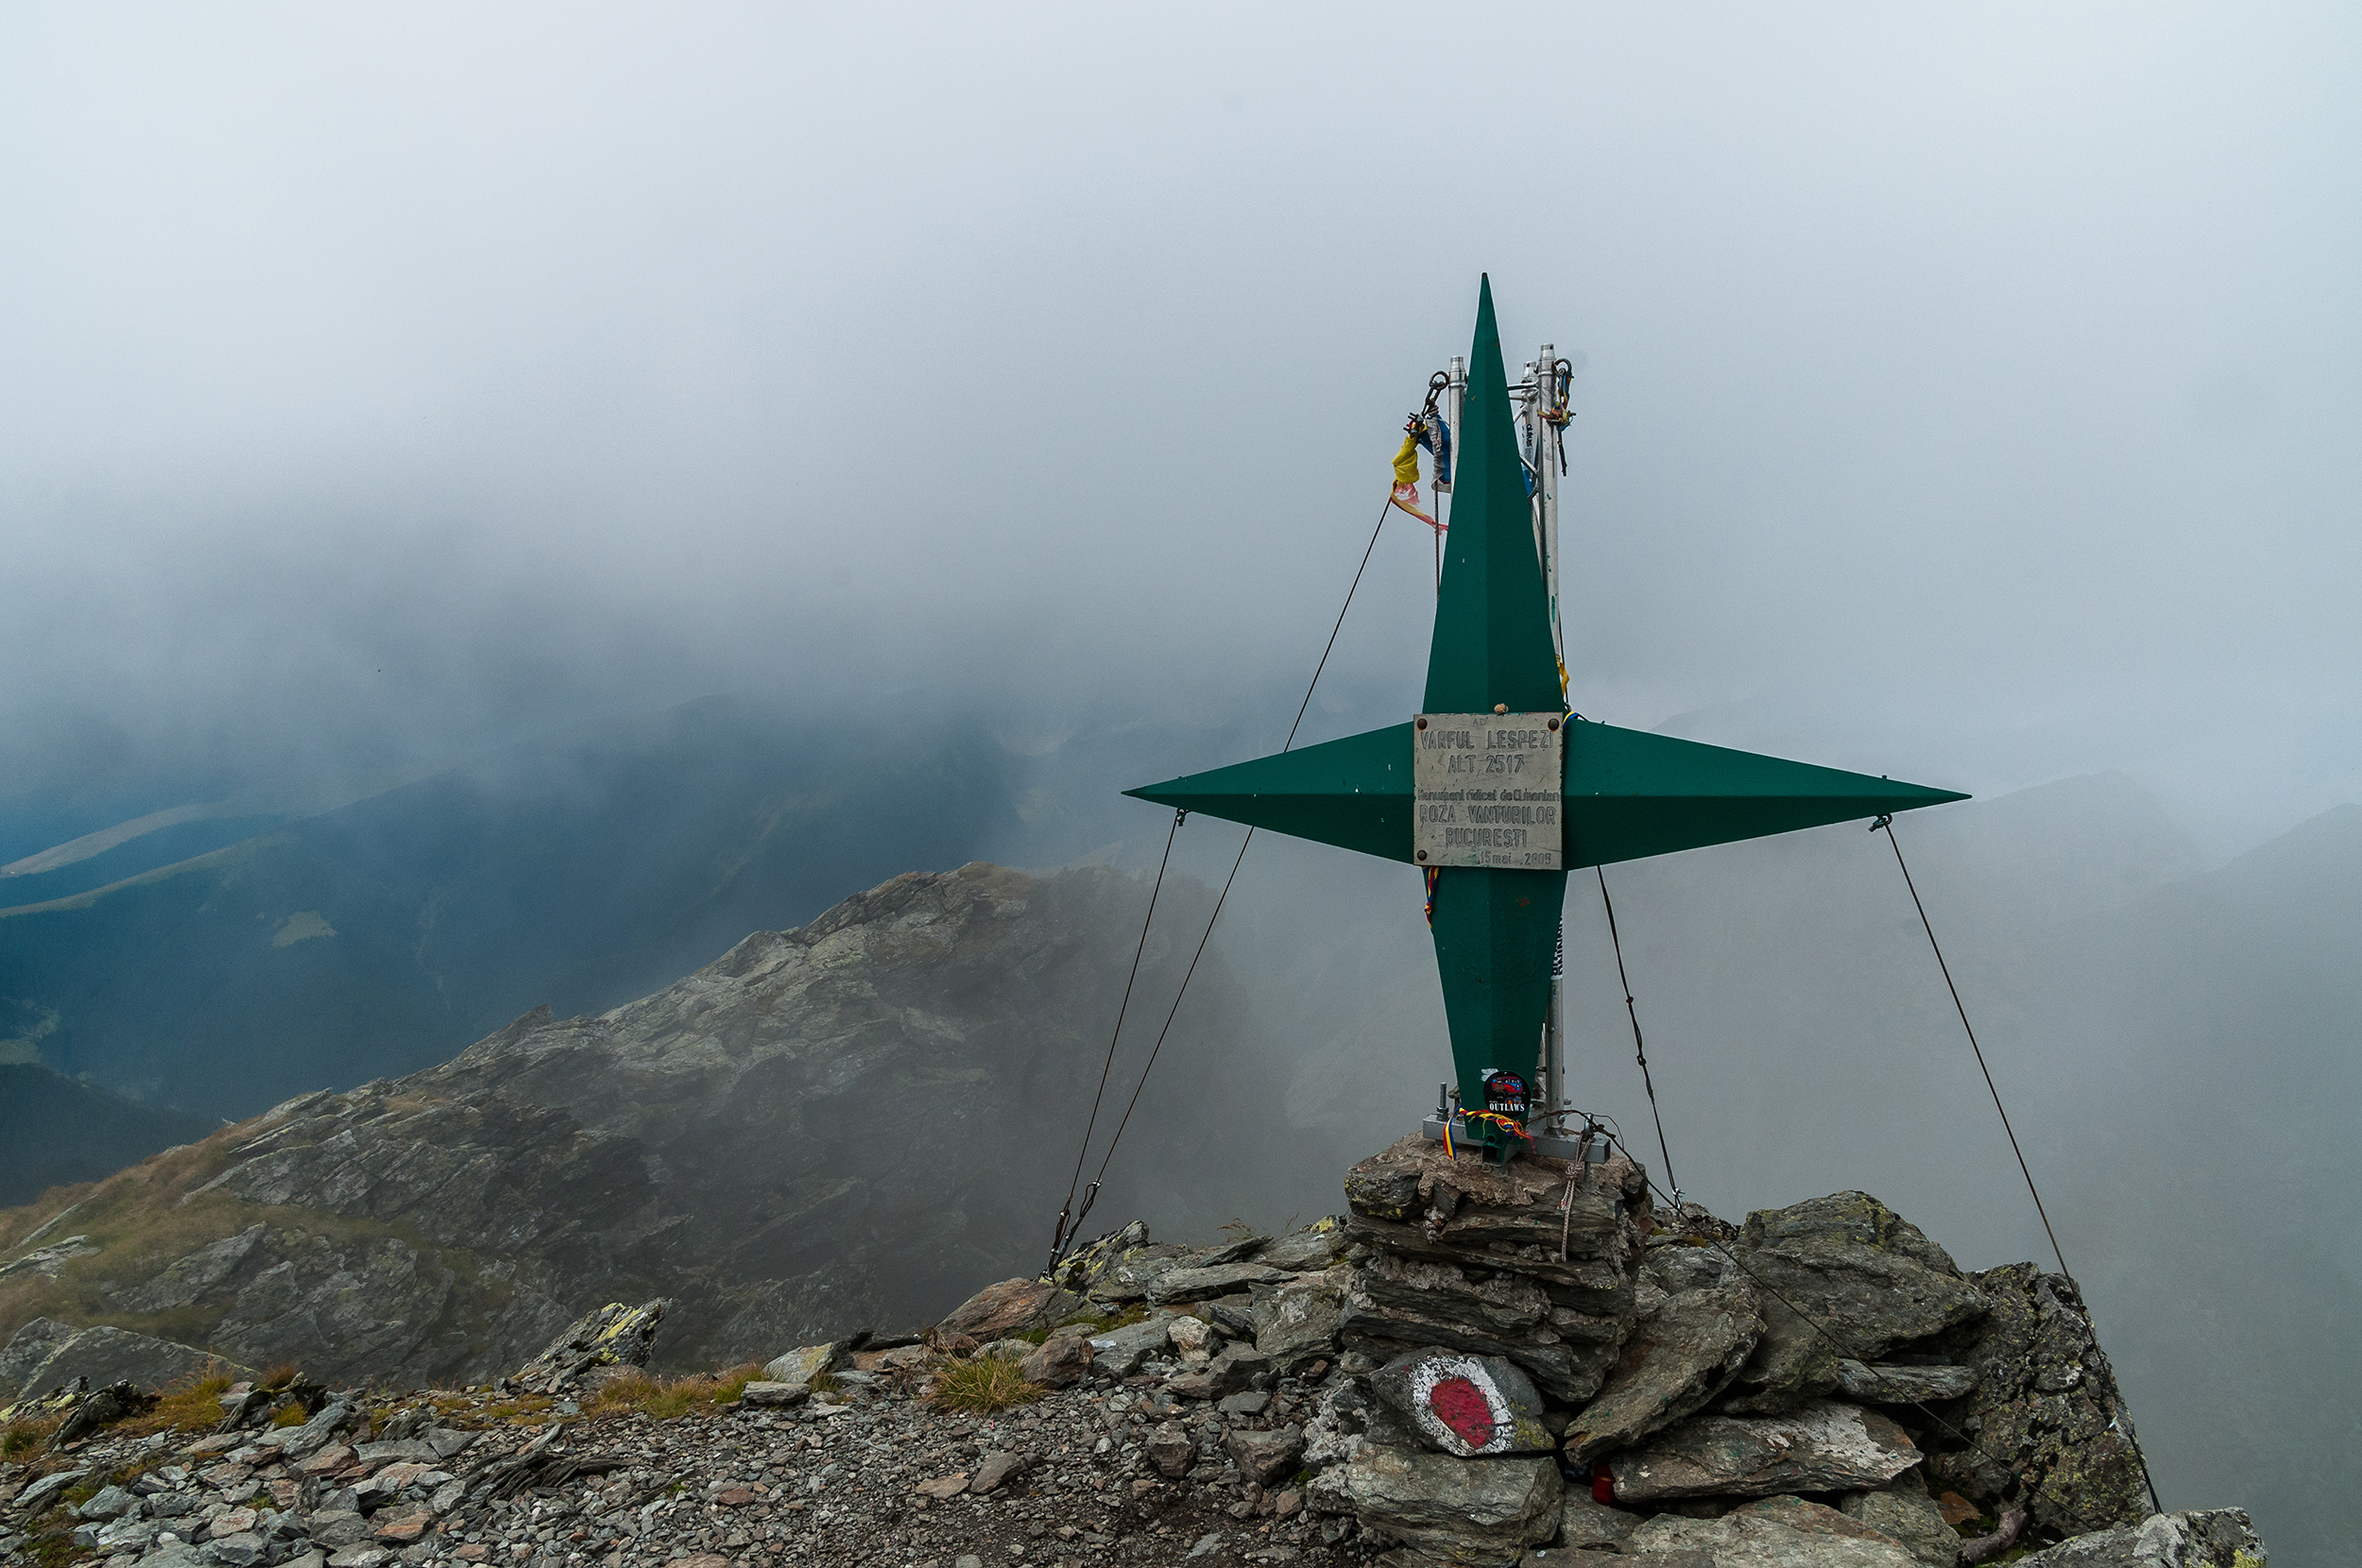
<point>1476,1365</point>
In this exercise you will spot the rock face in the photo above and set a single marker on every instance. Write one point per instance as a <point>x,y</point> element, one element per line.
<point>1845,1260</point>
<point>2214,1538</point>
<point>696,1144</point>
<point>2046,1417</point>
<point>43,1354</point>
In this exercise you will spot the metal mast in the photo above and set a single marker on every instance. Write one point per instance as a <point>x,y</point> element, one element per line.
<point>1541,413</point>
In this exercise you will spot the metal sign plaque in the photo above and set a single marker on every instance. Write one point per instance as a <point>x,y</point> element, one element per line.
<point>1488,789</point>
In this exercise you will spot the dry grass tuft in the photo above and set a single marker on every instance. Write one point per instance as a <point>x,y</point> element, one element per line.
<point>984,1384</point>
<point>191,1406</point>
<point>20,1438</point>
<point>668,1398</point>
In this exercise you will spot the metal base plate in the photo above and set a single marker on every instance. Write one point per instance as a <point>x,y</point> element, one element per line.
<point>1555,1148</point>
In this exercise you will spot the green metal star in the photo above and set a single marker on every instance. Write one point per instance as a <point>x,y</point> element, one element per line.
<point>1626,793</point>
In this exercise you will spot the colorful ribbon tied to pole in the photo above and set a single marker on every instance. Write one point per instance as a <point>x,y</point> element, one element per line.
<point>1407,481</point>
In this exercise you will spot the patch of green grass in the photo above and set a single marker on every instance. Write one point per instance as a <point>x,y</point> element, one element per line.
<point>982,1384</point>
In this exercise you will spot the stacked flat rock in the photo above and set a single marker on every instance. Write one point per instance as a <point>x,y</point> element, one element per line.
<point>1532,1262</point>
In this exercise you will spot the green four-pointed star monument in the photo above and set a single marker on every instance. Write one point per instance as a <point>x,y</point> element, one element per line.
<point>1447,791</point>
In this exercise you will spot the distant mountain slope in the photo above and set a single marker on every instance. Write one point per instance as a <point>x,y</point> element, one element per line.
<point>54,1131</point>
<point>580,870</point>
<point>377,938</point>
<point>827,1129</point>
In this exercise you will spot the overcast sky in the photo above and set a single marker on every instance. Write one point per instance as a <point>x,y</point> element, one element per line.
<point>1968,395</point>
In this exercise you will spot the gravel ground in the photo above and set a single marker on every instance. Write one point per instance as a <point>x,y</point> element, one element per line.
<point>882,1479</point>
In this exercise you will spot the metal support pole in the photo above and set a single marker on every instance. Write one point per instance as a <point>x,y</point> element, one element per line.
<point>1546,439</point>
<point>1553,1075</point>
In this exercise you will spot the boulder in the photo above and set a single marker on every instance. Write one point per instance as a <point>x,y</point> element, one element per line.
<point>1236,1250</point>
<point>1474,1511</point>
<point>1905,1512</point>
<point>1821,1446</point>
<point>377,1456</point>
<point>1894,1384</point>
<point>1739,1541</point>
<point>37,1494</point>
<point>1788,1510</point>
<point>1010,1307</point>
<point>1125,1278</point>
<point>1120,1350</point>
<point>995,1469</point>
<point>1349,1419</point>
<point>1062,1361</point>
<point>1233,1315</point>
<point>1178,1285</point>
<point>1265,1456</point>
<point>1862,1276</point>
<point>1226,1374</point>
<point>1083,1268</point>
<point>1586,1526</point>
<point>98,1407</point>
<point>1466,1405</point>
<point>803,1364</point>
<point>240,1549</point>
<point>1675,1263</point>
<point>2208,1538</point>
<point>613,1335</point>
<point>1170,1450</point>
<point>1299,1321</point>
<point>768,1393</point>
<point>1680,1356</point>
<point>111,1502</point>
<point>2046,1420</point>
<point>1307,1251</point>
<point>1192,1337</point>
